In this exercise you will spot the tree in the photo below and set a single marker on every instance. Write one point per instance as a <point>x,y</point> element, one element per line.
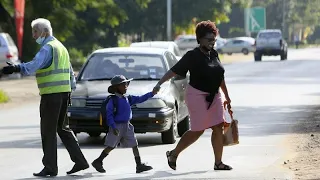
<point>152,21</point>
<point>81,24</point>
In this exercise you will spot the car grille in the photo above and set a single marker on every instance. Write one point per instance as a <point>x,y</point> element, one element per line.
<point>95,103</point>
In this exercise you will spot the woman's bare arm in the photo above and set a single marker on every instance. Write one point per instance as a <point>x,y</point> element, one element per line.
<point>224,89</point>
<point>169,74</point>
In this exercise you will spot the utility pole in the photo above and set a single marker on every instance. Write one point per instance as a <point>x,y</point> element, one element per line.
<point>169,20</point>
<point>284,18</point>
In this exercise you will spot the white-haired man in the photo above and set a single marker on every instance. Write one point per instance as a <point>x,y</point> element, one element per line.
<point>55,79</point>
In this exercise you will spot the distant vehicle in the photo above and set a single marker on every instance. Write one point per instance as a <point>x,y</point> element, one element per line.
<point>8,52</point>
<point>169,45</point>
<point>187,42</point>
<point>165,113</point>
<point>243,45</point>
<point>270,42</point>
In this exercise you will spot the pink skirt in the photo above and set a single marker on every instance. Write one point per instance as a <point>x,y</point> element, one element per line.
<point>201,117</point>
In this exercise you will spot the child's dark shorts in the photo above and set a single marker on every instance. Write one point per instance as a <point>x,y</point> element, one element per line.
<point>126,138</point>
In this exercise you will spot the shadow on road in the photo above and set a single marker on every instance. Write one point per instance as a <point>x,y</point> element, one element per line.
<point>163,174</point>
<point>253,122</point>
<point>67,177</point>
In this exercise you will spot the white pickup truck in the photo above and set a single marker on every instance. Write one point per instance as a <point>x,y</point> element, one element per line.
<point>270,43</point>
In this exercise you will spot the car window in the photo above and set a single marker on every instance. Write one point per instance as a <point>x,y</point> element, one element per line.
<point>270,35</point>
<point>10,41</point>
<point>2,41</point>
<point>237,41</point>
<point>137,66</point>
<point>192,40</point>
<point>230,42</point>
<point>171,59</point>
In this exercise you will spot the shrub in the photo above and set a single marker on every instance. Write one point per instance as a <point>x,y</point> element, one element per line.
<point>76,58</point>
<point>3,97</point>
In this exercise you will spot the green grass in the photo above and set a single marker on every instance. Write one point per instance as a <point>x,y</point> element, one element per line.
<point>3,97</point>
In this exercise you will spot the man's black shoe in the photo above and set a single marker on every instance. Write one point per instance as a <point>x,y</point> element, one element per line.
<point>77,168</point>
<point>98,165</point>
<point>143,167</point>
<point>45,173</point>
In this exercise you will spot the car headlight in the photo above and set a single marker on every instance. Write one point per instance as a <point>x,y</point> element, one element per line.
<point>78,102</point>
<point>152,103</point>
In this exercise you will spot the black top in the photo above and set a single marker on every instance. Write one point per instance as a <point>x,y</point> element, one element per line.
<point>206,73</point>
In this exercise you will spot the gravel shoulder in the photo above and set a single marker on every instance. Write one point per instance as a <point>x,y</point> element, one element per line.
<point>304,148</point>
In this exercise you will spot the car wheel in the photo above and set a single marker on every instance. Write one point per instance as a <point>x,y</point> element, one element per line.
<point>245,51</point>
<point>94,134</point>
<point>170,136</point>
<point>220,51</point>
<point>257,57</point>
<point>283,56</point>
<point>229,53</point>
<point>184,126</point>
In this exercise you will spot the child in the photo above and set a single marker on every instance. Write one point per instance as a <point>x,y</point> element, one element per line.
<point>120,129</point>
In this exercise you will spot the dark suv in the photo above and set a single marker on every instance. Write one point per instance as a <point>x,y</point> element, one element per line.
<point>270,43</point>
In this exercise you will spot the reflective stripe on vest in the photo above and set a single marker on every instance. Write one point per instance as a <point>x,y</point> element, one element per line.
<point>55,78</point>
<point>57,83</point>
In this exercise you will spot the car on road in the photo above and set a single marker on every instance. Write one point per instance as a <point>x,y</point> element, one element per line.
<point>169,45</point>
<point>165,113</point>
<point>243,45</point>
<point>187,42</point>
<point>270,42</point>
<point>8,52</point>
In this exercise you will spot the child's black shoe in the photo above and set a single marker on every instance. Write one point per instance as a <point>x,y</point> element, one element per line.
<point>143,167</point>
<point>98,166</point>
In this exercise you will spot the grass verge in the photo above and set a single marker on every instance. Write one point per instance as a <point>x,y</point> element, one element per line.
<point>3,97</point>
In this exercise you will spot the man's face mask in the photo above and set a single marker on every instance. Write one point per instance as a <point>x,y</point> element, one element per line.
<point>40,39</point>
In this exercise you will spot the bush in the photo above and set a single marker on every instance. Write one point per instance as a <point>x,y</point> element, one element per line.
<point>3,97</point>
<point>76,58</point>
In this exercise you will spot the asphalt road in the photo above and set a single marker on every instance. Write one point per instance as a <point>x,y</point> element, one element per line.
<point>268,97</point>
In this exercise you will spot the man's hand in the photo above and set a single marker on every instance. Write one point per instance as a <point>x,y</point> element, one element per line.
<point>115,132</point>
<point>10,68</point>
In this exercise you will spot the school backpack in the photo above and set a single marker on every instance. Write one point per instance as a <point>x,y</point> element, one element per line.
<point>103,110</point>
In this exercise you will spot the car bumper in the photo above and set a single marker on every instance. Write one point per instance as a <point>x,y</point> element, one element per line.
<point>144,120</point>
<point>269,51</point>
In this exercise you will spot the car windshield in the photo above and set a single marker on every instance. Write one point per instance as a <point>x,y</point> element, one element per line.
<point>103,66</point>
<point>268,35</point>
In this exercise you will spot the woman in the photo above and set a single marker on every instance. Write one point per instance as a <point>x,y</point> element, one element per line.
<point>202,94</point>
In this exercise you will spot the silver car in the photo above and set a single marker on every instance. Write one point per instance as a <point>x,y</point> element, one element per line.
<point>168,45</point>
<point>8,51</point>
<point>188,42</point>
<point>243,45</point>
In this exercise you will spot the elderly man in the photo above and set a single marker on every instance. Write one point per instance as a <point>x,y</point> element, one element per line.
<point>55,79</point>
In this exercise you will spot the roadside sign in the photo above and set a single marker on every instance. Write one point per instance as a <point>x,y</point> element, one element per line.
<point>255,19</point>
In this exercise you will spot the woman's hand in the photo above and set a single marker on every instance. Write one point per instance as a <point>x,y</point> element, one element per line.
<point>227,104</point>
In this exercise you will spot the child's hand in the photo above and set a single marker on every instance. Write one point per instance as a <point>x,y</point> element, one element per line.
<point>116,132</point>
<point>156,89</point>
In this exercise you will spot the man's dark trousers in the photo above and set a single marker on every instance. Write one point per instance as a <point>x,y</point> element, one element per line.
<point>53,113</point>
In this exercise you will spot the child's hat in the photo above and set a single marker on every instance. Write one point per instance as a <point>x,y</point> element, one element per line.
<point>116,80</point>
